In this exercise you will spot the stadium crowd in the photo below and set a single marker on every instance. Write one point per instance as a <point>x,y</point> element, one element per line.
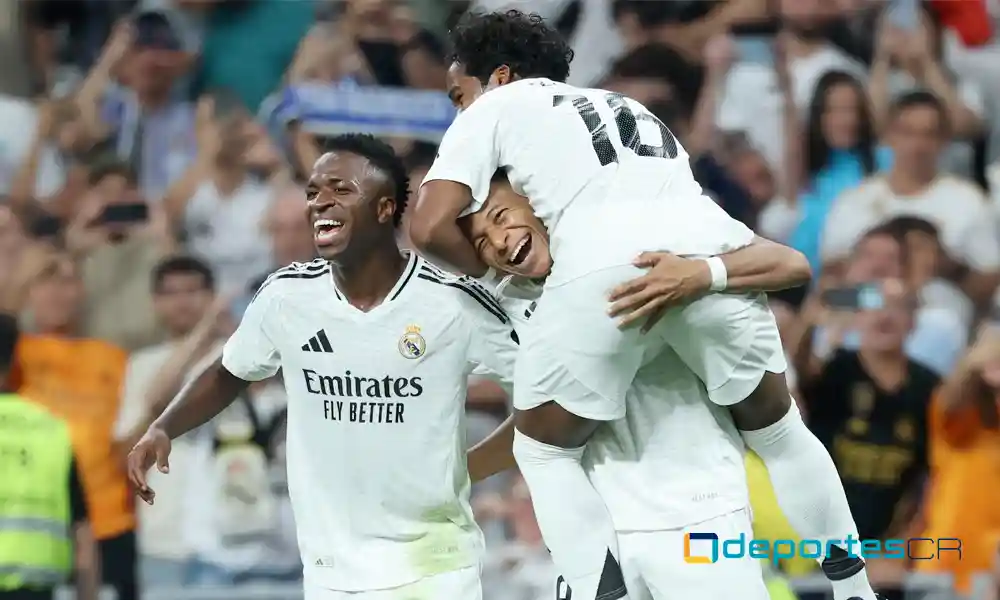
<point>151,163</point>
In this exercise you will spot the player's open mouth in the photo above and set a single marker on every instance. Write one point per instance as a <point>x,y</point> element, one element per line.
<point>520,252</point>
<point>326,230</point>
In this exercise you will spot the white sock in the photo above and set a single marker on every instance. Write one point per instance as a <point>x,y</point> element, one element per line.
<point>810,493</point>
<point>572,517</point>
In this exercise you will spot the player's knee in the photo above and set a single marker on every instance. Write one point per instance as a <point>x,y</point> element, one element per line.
<point>765,406</point>
<point>552,424</point>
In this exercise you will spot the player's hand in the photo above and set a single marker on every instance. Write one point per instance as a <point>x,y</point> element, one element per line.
<point>671,281</point>
<point>152,448</point>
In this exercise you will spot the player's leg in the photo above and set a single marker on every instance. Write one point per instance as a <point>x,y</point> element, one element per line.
<point>573,371</point>
<point>733,344</point>
<point>669,575</point>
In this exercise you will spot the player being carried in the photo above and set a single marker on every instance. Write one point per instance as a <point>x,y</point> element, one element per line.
<point>609,181</point>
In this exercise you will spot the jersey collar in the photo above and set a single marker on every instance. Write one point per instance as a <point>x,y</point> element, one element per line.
<point>412,263</point>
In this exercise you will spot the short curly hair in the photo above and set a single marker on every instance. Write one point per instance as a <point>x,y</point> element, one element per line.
<point>523,42</point>
<point>383,157</point>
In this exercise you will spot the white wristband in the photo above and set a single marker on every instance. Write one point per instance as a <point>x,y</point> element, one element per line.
<point>720,278</point>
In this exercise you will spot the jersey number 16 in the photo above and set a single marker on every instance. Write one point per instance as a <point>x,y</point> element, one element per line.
<point>628,128</point>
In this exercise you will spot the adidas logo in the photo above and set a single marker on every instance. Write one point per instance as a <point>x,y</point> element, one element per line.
<point>318,343</point>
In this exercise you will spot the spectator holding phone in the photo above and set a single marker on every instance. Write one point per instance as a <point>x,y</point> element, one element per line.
<point>917,129</point>
<point>869,407</point>
<point>219,204</point>
<point>937,337</point>
<point>118,239</point>
<point>965,443</point>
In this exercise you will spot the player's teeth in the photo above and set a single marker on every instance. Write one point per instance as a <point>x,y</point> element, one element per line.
<point>517,250</point>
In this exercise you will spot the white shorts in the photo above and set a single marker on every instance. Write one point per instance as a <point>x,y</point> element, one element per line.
<point>654,566</point>
<point>572,352</point>
<point>463,584</point>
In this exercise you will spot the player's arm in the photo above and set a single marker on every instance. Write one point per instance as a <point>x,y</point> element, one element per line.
<point>457,183</point>
<point>762,266</point>
<point>249,355</point>
<point>493,345</point>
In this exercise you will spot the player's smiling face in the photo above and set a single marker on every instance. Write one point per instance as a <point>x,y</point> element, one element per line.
<point>507,234</point>
<point>341,203</point>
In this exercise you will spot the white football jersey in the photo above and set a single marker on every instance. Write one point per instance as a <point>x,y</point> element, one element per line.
<point>676,459</point>
<point>604,175</point>
<point>376,401</point>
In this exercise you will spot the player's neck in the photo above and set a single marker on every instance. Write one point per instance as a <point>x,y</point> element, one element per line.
<point>366,282</point>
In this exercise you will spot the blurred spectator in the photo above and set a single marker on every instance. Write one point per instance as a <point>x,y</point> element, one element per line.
<point>248,45</point>
<point>690,115</point>
<point>838,153</point>
<point>218,203</point>
<point>916,131</point>
<point>79,379</point>
<point>964,479</point>
<point>869,407</point>
<point>129,99</point>
<point>118,238</point>
<point>183,290</point>
<point>938,335</point>
<point>42,180</point>
<point>70,33</point>
<point>40,542</point>
<point>12,244</point>
<point>521,569</point>
<point>653,73</point>
<point>18,74</point>
<point>424,66</point>
<point>752,101</point>
<point>910,60</point>
<point>923,253</point>
<point>238,525</point>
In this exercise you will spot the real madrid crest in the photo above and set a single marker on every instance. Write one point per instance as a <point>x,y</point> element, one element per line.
<point>412,344</point>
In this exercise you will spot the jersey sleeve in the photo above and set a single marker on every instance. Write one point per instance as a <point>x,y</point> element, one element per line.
<point>494,342</point>
<point>250,353</point>
<point>469,153</point>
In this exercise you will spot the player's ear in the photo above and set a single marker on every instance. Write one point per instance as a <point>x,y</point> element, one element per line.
<point>384,209</point>
<point>500,76</point>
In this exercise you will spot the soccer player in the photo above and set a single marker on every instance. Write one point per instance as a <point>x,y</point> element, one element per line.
<point>608,181</point>
<point>374,346</point>
<point>674,464</point>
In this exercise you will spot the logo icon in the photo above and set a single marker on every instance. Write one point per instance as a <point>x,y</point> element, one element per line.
<point>412,344</point>
<point>318,343</point>
<point>692,557</point>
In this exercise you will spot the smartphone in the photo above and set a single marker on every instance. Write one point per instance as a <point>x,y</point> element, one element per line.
<point>904,14</point>
<point>125,213</point>
<point>862,297</point>
<point>758,50</point>
<point>46,226</point>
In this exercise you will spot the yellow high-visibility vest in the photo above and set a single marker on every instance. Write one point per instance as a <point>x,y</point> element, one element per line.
<point>35,461</point>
